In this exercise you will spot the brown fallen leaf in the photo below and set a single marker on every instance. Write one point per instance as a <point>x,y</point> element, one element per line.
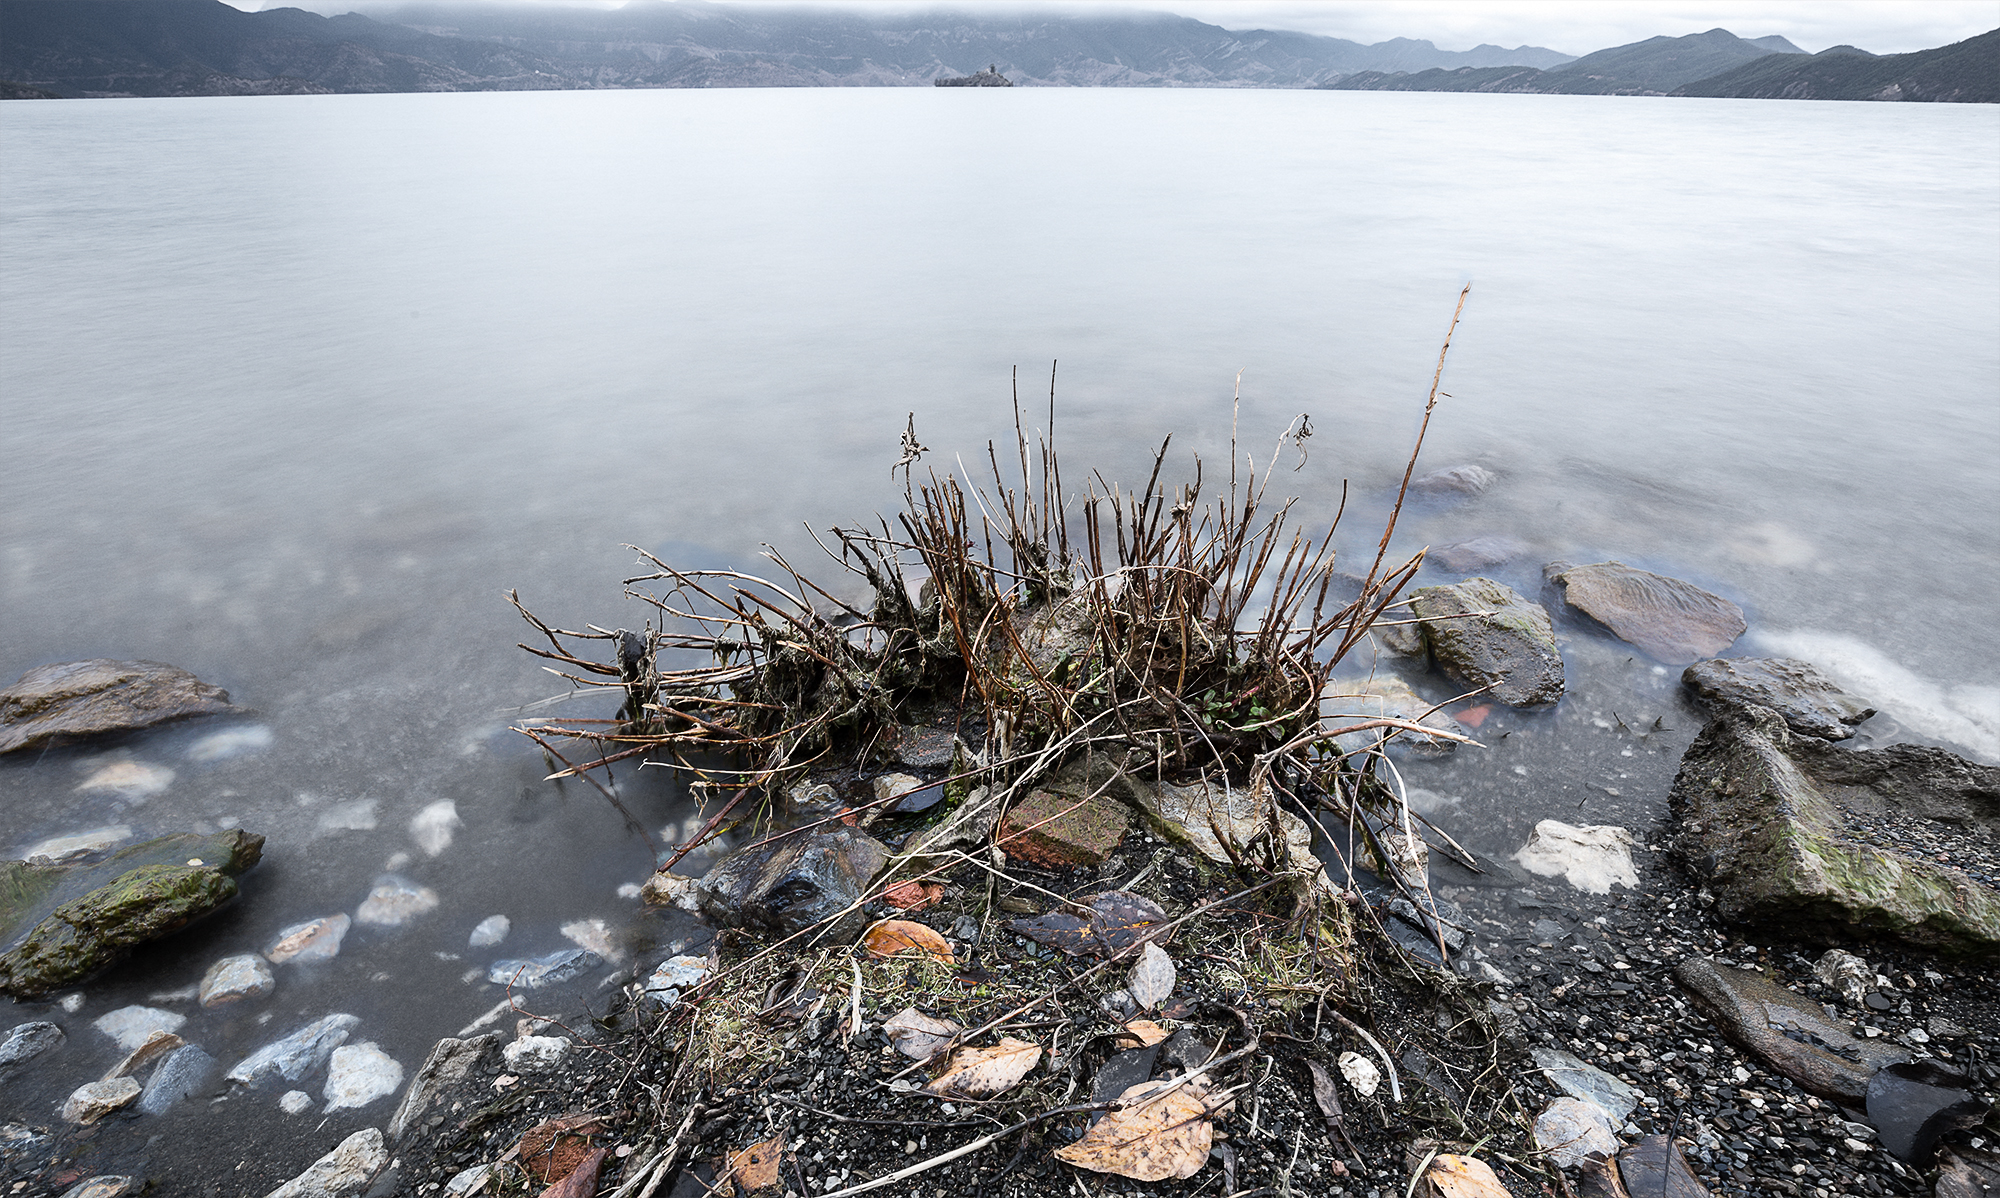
<point>1162,1132</point>
<point>1143,1033</point>
<point>892,936</point>
<point>1324,1093</point>
<point>1152,977</point>
<point>985,1072</point>
<point>913,896</point>
<point>1464,1177</point>
<point>918,1036</point>
<point>1112,924</point>
<point>580,1182</point>
<point>755,1168</point>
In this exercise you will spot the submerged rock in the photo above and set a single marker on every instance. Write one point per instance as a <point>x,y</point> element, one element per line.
<point>1484,634</point>
<point>59,850</point>
<point>1591,858</point>
<point>490,931</point>
<point>1570,1129</point>
<point>315,940</point>
<point>233,979</point>
<point>1062,831</point>
<point>1462,481</point>
<point>157,1045</point>
<point>1784,1030</point>
<point>26,1042</point>
<point>295,1102</point>
<point>1807,700</point>
<point>343,1173</point>
<point>557,967</point>
<point>1384,696</point>
<point>448,1063</point>
<point>1798,833</point>
<point>795,882</point>
<point>134,781</point>
<point>85,698</point>
<point>297,1054</point>
<point>107,1185</point>
<point>89,1103</point>
<point>1480,553</point>
<point>358,1074</point>
<point>63,922</point>
<point>181,1075</point>
<point>395,901</point>
<point>1674,621</point>
<point>133,1026</point>
<point>434,827</point>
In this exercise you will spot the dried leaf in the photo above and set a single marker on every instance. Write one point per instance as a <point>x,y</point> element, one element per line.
<point>1114,923</point>
<point>581,1182</point>
<point>1164,1132</point>
<point>1143,1033</point>
<point>985,1072</point>
<point>1464,1177</point>
<point>918,1036</point>
<point>551,1150</point>
<point>756,1167</point>
<point>1152,979</point>
<point>892,936</point>
<point>1324,1094</point>
<point>913,896</point>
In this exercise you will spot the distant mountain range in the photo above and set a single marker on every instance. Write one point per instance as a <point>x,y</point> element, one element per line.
<point>67,48</point>
<point>1720,64</point>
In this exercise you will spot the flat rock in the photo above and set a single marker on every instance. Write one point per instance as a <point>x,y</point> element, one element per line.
<point>358,1074</point>
<point>1807,700</point>
<point>1062,831</point>
<point>795,882</point>
<point>89,1103</point>
<point>1586,1082</point>
<point>1796,832</point>
<point>75,699</point>
<point>1788,1032</point>
<point>297,1054</point>
<point>561,966</point>
<point>182,1074</point>
<point>1454,481</point>
<point>32,891</point>
<point>58,850</point>
<point>536,1054</point>
<point>343,1173</point>
<point>234,979</point>
<point>314,940</point>
<point>1484,634</point>
<point>1912,1103</point>
<point>1570,1129</point>
<point>490,931</point>
<point>1676,622</point>
<point>1591,858</point>
<point>448,1063</point>
<point>133,1026</point>
<point>157,1045</point>
<point>1349,701</point>
<point>395,901</point>
<point>1654,1168</point>
<point>1480,553</point>
<point>25,1042</point>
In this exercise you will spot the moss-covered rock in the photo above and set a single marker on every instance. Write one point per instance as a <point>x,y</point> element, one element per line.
<point>1793,832</point>
<point>86,935</point>
<point>1485,634</point>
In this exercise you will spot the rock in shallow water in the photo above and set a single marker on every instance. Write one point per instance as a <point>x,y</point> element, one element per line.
<point>297,1054</point>
<point>1484,634</point>
<point>1807,700</point>
<point>315,940</point>
<point>395,901</point>
<point>106,1185</point>
<point>60,849</point>
<point>1592,858</point>
<point>92,1102</point>
<point>295,1102</point>
<point>234,979</point>
<point>84,698</point>
<point>557,967</point>
<point>491,931</point>
<point>1676,622</point>
<point>133,1026</point>
<point>26,1042</point>
<point>1345,702</point>
<point>358,1074</point>
<point>449,1061</point>
<point>181,1075</point>
<point>342,1173</point>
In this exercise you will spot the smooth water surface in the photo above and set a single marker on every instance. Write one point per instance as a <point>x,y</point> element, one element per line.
<point>295,388</point>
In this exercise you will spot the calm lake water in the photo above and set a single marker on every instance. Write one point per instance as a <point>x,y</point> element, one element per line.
<point>295,388</point>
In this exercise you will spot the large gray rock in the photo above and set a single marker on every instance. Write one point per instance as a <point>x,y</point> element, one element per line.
<point>1674,621</point>
<point>342,1173</point>
<point>1484,634</point>
<point>297,1054</point>
<point>795,882</point>
<point>1807,699</point>
<point>26,1042</point>
<point>75,699</point>
<point>181,1075</point>
<point>1798,833</point>
<point>553,969</point>
<point>1762,1018</point>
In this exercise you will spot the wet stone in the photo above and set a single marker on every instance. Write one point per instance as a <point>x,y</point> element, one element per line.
<point>1120,1073</point>
<point>157,1045</point>
<point>1480,553</point>
<point>1675,622</point>
<point>59,849</point>
<point>490,931</point>
<point>563,965</point>
<point>1345,702</point>
<point>795,882</point>
<point>103,1186</point>
<point>449,1061</point>
<point>1807,700</point>
<point>1913,1103</point>
<point>1485,635</point>
<point>295,1102</point>
<point>924,748</point>
<point>26,1042</point>
<point>94,1101</point>
<point>395,901</point>
<point>182,1074</point>
<point>343,1173</point>
<point>1785,1030</point>
<point>234,979</point>
<point>297,1054</point>
<point>315,940</point>
<point>133,1026</point>
<point>1461,482</point>
<point>358,1074</point>
<point>1591,858</point>
<point>536,1054</point>
<point>1587,1083</point>
<point>1571,1129</point>
<point>75,699</point>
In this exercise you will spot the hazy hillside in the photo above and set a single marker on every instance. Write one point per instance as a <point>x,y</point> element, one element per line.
<point>204,47</point>
<point>1655,66</point>
<point>1966,72</point>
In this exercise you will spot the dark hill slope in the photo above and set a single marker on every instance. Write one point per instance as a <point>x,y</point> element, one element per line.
<point>1966,72</point>
<point>1652,67</point>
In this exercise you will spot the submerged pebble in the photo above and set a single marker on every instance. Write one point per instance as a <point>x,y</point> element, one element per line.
<point>316,940</point>
<point>133,1026</point>
<point>76,844</point>
<point>556,967</point>
<point>490,931</point>
<point>26,1042</point>
<point>295,1102</point>
<point>395,901</point>
<point>358,1074</point>
<point>297,1054</point>
<point>128,779</point>
<point>233,979</point>
<point>230,742</point>
<point>432,828</point>
<point>89,1103</point>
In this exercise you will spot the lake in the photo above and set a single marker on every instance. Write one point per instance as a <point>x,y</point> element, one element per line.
<point>294,389</point>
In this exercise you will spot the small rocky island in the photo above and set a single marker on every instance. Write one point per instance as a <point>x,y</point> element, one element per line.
<point>990,77</point>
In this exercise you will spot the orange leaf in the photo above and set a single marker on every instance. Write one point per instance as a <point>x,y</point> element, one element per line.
<point>892,936</point>
<point>1464,1177</point>
<point>1164,1133</point>
<point>756,1167</point>
<point>1143,1033</point>
<point>1473,717</point>
<point>985,1072</point>
<point>913,896</point>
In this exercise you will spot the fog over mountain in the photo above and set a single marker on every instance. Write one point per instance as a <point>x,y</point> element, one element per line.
<point>68,48</point>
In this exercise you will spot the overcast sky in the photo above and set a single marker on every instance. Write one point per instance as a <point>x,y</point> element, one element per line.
<point>1571,26</point>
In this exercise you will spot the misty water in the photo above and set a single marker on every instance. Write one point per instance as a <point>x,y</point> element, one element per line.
<point>295,388</point>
